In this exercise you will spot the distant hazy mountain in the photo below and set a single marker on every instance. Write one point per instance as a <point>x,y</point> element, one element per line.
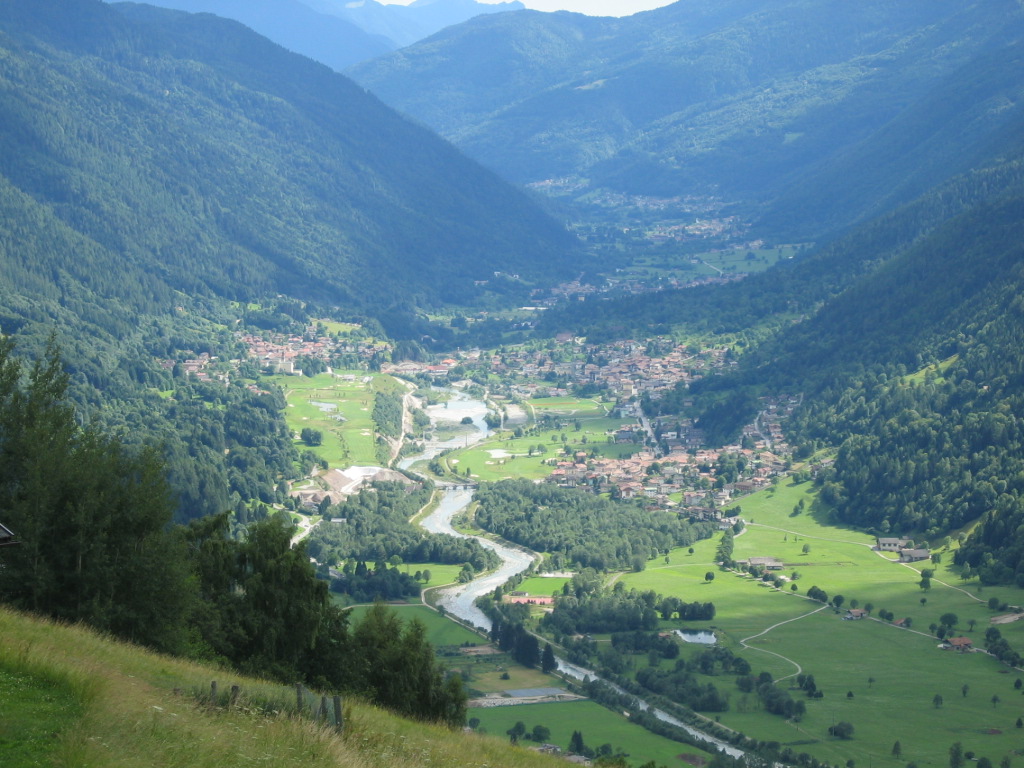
<point>405,24</point>
<point>150,154</point>
<point>338,33</point>
<point>331,40</point>
<point>747,99</point>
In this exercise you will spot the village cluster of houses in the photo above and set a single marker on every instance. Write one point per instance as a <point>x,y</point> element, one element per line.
<point>199,366</point>
<point>683,466</point>
<point>280,352</point>
<point>645,475</point>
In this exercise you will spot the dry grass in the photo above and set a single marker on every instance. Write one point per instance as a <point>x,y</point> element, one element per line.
<point>138,709</point>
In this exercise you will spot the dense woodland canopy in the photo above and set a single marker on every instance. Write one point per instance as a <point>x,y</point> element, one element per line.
<point>578,529</point>
<point>376,527</point>
<point>135,138</point>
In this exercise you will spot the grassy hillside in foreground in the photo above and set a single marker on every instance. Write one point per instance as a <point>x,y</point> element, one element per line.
<point>114,704</point>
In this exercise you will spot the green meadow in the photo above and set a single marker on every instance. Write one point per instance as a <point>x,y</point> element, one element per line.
<point>338,408</point>
<point>505,456</point>
<point>34,709</point>
<point>597,725</point>
<point>336,327</point>
<point>542,586</point>
<point>881,678</point>
<point>710,263</point>
<point>490,674</point>
<point>440,631</point>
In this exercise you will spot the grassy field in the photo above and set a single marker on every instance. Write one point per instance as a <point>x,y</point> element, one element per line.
<point>340,409</point>
<point>334,326</point>
<point>32,709</point>
<point>505,456</point>
<point>440,631</point>
<point>497,673</point>
<point>597,725</point>
<point>542,585</point>
<point>124,707</point>
<point>878,677</point>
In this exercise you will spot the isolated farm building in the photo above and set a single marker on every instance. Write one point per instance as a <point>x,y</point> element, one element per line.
<point>856,613</point>
<point>768,563</point>
<point>914,555</point>
<point>962,644</point>
<point>892,545</point>
<point>6,536</point>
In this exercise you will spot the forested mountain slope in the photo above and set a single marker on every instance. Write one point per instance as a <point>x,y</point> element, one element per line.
<point>323,37</point>
<point>157,166</point>
<point>747,99</point>
<point>199,157</point>
<point>909,365</point>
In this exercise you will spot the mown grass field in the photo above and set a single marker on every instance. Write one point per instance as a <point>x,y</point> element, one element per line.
<point>596,724</point>
<point>497,673</point>
<point>505,456</point>
<point>340,409</point>
<point>32,709</point>
<point>709,264</point>
<point>893,674</point>
<point>543,586</point>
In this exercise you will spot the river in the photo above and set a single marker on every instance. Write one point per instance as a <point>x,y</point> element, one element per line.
<point>460,600</point>
<point>459,406</point>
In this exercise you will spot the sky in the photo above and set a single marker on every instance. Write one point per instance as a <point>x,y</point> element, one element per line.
<point>589,7</point>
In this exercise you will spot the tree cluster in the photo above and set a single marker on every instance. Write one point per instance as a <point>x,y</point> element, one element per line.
<point>580,528</point>
<point>376,527</point>
<point>365,585</point>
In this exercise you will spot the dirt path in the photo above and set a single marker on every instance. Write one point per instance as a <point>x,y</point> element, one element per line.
<point>799,669</point>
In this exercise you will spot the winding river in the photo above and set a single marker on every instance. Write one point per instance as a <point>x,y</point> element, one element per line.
<point>459,600</point>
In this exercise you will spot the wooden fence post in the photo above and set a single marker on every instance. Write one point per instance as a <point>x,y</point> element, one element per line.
<point>235,690</point>
<point>213,693</point>
<point>339,720</point>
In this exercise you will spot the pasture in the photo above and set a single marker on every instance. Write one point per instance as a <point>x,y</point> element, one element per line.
<point>542,586</point>
<point>597,725</point>
<point>881,678</point>
<point>440,631</point>
<point>574,425</point>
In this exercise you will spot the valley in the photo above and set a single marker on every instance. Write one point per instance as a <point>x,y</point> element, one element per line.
<point>644,392</point>
<point>772,622</point>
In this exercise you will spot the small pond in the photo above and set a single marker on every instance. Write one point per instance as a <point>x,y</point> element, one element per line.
<point>702,636</point>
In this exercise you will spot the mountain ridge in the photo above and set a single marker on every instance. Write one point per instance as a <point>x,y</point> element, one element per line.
<point>200,112</point>
<point>745,100</point>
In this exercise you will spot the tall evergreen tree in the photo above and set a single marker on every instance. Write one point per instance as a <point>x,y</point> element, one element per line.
<point>93,518</point>
<point>548,662</point>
